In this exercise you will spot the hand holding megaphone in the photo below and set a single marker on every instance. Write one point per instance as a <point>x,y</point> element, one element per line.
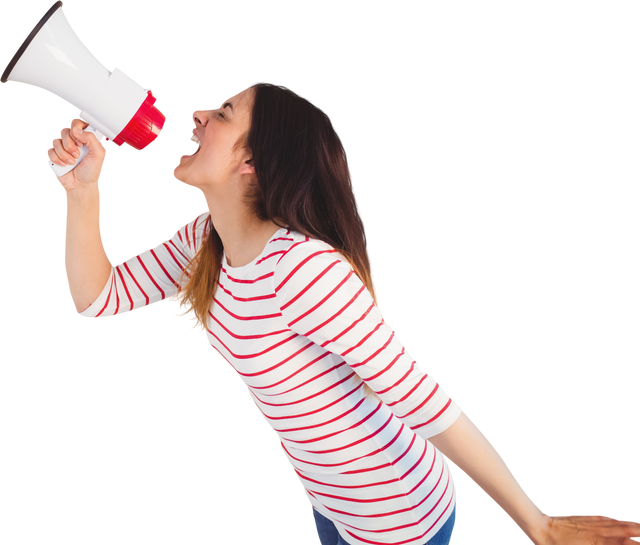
<point>113,105</point>
<point>75,144</point>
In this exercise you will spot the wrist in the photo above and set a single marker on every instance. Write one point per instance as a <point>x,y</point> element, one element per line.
<point>83,204</point>
<point>539,532</point>
<point>81,193</point>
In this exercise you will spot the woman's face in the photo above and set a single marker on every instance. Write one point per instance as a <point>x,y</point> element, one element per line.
<point>215,162</point>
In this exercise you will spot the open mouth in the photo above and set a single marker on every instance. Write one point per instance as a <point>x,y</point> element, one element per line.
<point>193,139</point>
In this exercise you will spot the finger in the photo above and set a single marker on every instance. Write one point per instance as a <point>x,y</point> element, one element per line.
<point>71,142</point>
<point>78,124</point>
<point>596,521</point>
<point>53,157</point>
<point>81,136</point>
<point>593,518</point>
<point>600,517</point>
<point>60,143</point>
<point>593,515</point>
<point>603,526</point>
<point>75,120</point>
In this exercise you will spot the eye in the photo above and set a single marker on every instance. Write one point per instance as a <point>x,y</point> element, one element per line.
<point>221,115</point>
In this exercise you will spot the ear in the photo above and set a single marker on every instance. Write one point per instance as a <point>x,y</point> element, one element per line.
<point>247,167</point>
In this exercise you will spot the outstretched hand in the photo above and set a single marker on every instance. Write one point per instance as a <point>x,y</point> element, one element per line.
<point>589,531</point>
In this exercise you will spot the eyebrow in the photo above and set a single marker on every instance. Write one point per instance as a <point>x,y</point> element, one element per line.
<point>227,104</point>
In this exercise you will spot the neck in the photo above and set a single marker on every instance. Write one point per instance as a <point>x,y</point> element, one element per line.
<point>242,240</point>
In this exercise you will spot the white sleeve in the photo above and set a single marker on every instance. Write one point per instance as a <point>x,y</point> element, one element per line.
<point>322,298</point>
<point>150,276</point>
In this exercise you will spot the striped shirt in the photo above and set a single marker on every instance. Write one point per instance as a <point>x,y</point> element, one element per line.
<point>305,335</point>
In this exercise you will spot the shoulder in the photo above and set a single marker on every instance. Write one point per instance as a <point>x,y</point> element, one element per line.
<point>192,232</point>
<point>301,252</point>
<point>305,259</point>
<point>313,281</point>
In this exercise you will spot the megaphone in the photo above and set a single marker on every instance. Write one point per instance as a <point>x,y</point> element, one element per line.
<point>115,106</point>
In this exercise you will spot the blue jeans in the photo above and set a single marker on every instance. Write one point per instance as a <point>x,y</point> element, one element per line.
<point>329,534</point>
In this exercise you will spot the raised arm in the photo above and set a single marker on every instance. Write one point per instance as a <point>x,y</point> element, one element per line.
<point>85,260</point>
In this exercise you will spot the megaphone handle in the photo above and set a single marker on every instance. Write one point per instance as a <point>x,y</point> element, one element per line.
<point>61,171</point>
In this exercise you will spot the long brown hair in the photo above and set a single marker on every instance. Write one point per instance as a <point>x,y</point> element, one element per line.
<point>303,183</point>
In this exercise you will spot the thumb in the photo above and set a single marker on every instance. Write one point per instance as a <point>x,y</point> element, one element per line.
<point>86,137</point>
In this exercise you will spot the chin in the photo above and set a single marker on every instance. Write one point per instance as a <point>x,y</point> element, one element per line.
<point>174,176</point>
<point>179,181</point>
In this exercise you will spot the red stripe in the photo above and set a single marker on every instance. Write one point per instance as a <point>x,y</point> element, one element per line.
<point>179,251</point>
<point>399,381</point>
<point>330,319</point>
<point>410,391</point>
<point>335,385</point>
<point>256,354</point>
<point>151,277</point>
<point>106,304</point>
<point>434,418</point>
<point>246,337</point>
<point>297,267</point>
<point>146,297</point>
<point>246,299</point>
<point>240,281</point>
<point>361,342</point>
<point>173,281</point>
<point>348,328</point>
<point>293,374</point>
<point>372,377</point>
<point>115,314</point>
<point>377,352</point>
<point>237,317</point>
<point>324,300</point>
<point>422,404</point>
<point>308,286</point>
<point>300,385</point>
<point>270,255</point>
<point>335,419</point>
<point>180,266</point>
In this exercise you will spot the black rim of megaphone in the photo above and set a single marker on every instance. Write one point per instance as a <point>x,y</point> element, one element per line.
<point>26,43</point>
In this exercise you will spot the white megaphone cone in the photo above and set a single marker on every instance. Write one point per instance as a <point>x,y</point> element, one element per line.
<point>115,106</point>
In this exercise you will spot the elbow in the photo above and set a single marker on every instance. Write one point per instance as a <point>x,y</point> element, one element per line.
<point>82,305</point>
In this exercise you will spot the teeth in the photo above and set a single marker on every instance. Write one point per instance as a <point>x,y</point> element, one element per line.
<point>193,139</point>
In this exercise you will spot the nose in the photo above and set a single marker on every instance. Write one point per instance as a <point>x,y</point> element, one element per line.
<point>200,118</point>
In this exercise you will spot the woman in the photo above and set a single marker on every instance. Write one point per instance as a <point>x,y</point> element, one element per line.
<point>277,272</point>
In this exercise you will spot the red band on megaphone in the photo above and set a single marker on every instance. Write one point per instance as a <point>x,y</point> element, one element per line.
<point>144,126</point>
